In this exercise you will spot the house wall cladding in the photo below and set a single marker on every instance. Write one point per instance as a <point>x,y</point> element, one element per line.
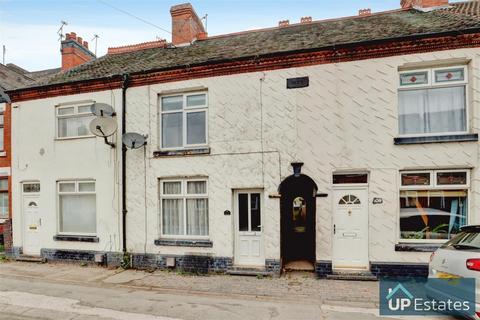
<point>40,157</point>
<point>345,120</point>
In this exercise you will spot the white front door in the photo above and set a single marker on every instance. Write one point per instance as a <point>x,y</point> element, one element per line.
<point>350,229</point>
<point>32,224</point>
<point>248,228</point>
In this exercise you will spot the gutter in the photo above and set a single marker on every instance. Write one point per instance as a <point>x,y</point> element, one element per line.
<point>4,97</point>
<point>125,83</point>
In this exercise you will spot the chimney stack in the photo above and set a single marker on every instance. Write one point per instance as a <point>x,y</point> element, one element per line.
<point>186,26</point>
<point>407,4</point>
<point>74,51</point>
<point>365,12</point>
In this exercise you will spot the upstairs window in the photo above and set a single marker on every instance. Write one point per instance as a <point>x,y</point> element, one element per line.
<point>433,101</point>
<point>183,120</point>
<point>2,132</point>
<point>73,121</point>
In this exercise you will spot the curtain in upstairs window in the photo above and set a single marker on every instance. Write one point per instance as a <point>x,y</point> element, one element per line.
<point>437,110</point>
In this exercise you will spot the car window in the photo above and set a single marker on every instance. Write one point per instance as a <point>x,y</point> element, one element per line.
<point>465,240</point>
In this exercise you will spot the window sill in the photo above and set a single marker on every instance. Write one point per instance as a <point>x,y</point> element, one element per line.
<point>75,138</point>
<point>3,153</point>
<point>436,139</point>
<point>417,247</point>
<point>182,152</point>
<point>76,238</point>
<point>184,243</point>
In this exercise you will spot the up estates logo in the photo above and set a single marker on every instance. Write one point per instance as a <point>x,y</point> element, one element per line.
<point>399,298</point>
<point>414,296</point>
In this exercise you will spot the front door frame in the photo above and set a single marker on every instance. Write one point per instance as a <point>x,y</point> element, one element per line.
<point>26,195</point>
<point>347,187</point>
<point>261,234</point>
<point>294,186</point>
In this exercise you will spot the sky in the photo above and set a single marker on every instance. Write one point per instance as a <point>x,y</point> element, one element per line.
<point>28,28</point>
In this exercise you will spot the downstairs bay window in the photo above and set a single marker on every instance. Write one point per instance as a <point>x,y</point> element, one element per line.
<point>433,204</point>
<point>184,208</point>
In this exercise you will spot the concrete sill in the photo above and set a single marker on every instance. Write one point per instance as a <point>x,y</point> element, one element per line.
<point>180,153</point>
<point>76,238</point>
<point>3,153</point>
<point>184,243</point>
<point>436,139</point>
<point>417,247</point>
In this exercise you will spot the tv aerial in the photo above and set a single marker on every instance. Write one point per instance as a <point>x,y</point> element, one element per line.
<point>104,125</point>
<point>133,140</point>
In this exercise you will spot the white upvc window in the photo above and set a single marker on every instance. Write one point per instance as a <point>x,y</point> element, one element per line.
<point>184,208</point>
<point>73,121</point>
<point>433,101</point>
<point>433,204</point>
<point>77,209</point>
<point>4,197</point>
<point>183,121</point>
<point>2,131</point>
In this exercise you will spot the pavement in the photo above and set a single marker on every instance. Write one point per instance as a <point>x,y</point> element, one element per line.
<point>71,291</point>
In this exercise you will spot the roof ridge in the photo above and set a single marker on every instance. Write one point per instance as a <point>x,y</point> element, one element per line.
<point>304,23</point>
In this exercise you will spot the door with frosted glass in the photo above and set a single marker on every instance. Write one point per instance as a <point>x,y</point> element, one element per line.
<point>248,228</point>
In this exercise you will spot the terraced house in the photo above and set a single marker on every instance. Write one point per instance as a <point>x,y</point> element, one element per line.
<point>343,146</point>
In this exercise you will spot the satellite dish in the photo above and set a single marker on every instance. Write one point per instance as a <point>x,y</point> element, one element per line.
<point>102,110</point>
<point>133,140</point>
<point>103,127</point>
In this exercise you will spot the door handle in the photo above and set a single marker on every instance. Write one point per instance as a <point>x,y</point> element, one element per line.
<point>334,229</point>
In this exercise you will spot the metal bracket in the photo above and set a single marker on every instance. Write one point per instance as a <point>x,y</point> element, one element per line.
<point>111,144</point>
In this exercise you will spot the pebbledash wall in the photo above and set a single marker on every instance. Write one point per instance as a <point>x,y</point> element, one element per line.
<point>40,157</point>
<point>345,120</point>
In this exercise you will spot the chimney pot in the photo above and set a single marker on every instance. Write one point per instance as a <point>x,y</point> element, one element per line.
<point>407,4</point>
<point>74,53</point>
<point>186,25</point>
<point>283,23</point>
<point>365,12</point>
<point>305,19</point>
<point>202,36</point>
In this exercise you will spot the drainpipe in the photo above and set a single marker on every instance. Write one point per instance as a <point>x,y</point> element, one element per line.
<point>125,83</point>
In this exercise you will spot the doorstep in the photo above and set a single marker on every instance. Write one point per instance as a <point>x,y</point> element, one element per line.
<point>249,271</point>
<point>353,276</point>
<point>28,258</point>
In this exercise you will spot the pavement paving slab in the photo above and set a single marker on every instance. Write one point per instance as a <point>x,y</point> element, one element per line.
<point>71,291</point>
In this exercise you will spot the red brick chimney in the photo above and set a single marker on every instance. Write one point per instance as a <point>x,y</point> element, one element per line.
<point>186,26</point>
<point>406,4</point>
<point>74,51</point>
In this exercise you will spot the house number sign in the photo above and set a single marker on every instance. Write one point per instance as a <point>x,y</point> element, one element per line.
<point>377,200</point>
<point>301,82</point>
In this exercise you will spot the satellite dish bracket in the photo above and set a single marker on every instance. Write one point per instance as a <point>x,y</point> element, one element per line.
<point>111,144</point>
<point>114,114</point>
